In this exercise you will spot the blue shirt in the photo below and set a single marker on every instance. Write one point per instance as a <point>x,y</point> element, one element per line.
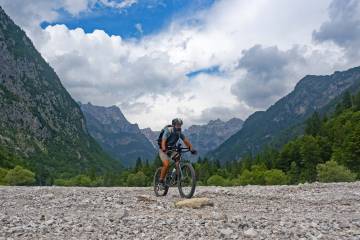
<point>171,136</point>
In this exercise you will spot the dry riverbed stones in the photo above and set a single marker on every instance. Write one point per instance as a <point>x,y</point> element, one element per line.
<point>307,211</point>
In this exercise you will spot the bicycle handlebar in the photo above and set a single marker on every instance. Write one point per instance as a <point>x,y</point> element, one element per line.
<point>179,148</point>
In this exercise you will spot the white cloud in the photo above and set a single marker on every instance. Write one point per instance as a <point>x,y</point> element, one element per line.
<point>147,78</point>
<point>139,28</point>
<point>343,27</point>
<point>119,5</point>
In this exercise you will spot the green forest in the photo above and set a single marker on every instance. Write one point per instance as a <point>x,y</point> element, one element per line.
<point>328,151</point>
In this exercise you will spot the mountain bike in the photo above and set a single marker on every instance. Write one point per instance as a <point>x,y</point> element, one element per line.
<point>182,175</point>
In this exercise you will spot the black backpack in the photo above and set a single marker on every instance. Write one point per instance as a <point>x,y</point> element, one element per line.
<point>161,135</point>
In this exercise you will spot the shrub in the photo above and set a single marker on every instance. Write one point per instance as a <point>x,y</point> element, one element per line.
<point>3,173</point>
<point>62,182</point>
<point>254,177</point>
<point>19,176</point>
<point>331,171</point>
<point>200,183</point>
<point>79,180</point>
<point>136,180</point>
<point>275,177</point>
<point>216,180</point>
<point>234,182</point>
<point>82,180</point>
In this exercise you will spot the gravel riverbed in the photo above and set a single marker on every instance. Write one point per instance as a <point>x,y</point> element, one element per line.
<point>306,211</point>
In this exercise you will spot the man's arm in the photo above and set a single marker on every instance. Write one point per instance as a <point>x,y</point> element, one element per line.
<point>164,140</point>
<point>163,145</point>
<point>187,143</point>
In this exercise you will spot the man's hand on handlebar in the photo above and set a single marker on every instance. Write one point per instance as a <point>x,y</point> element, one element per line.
<point>193,151</point>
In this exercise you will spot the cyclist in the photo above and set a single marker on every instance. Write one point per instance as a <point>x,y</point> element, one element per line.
<point>168,138</point>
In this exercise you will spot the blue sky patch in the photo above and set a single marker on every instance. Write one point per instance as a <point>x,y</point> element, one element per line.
<point>214,70</point>
<point>140,19</point>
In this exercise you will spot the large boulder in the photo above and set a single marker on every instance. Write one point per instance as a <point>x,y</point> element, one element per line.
<point>194,203</point>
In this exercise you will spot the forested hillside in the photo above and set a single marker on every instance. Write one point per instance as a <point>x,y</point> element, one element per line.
<point>328,151</point>
<point>41,127</point>
<point>280,123</point>
<point>116,135</point>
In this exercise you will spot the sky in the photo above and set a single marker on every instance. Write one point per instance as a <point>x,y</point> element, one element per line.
<point>195,59</point>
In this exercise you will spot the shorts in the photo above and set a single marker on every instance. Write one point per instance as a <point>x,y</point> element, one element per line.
<point>163,156</point>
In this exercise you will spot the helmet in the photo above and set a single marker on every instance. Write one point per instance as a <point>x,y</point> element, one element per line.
<point>177,121</point>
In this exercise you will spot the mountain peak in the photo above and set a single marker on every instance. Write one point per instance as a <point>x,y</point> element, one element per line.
<point>310,94</point>
<point>209,136</point>
<point>116,134</point>
<point>37,109</point>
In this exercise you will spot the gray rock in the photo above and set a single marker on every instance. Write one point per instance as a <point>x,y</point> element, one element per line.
<point>250,232</point>
<point>312,211</point>
<point>226,232</point>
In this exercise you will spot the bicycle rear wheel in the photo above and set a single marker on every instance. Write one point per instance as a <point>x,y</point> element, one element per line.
<point>159,192</point>
<point>187,181</point>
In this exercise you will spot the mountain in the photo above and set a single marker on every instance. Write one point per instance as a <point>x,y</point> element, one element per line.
<point>41,126</point>
<point>204,137</point>
<point>151,135</point>
<point>312,93</point>
<point>118,137</point>
<point>209,136</point>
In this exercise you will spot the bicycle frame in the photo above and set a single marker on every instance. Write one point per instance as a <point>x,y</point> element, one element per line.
<point>177,178</point>
<point>179,151</point>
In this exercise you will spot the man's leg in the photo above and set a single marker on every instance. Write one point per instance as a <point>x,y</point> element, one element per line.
<point>165,160</point>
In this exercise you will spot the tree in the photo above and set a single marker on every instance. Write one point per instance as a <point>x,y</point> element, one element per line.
<point>216,180</point>
<point>349,153</point>
<point>137,180</point>
<point>345,103</point>
<point>331,171</point>
<point>310,152</point>
<point>19,176</point>
<point>289,153</point>
<point>3,173</point>
<point>356,102</point>
<point>138,165</point>
<point>275,177</point>
<point>347,100</point>
<point>294,173</point>
<point>80,181</point>
<point>254,177</point>
<point>313,125</point>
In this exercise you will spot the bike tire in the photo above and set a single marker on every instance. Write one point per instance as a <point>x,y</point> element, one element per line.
<point>156,181</point>
<point>193,181</point>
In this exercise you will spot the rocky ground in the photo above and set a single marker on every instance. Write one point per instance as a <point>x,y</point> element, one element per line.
<point>309,211</point>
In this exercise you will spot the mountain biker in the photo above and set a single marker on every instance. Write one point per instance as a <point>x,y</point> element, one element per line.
<point>170,136</point>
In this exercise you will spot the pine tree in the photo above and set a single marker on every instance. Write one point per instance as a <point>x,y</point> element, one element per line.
<point>346,101</point>
<point>313,125</point>
<point>356,102</point>
<point>294,173</point>
<point>310,152</point>
<point>138,165</point>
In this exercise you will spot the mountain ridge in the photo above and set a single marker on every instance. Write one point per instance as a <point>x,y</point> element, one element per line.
<point>40,123</point>
<point>118,137</point>
<point>310,94</point>
<point>204,137</point>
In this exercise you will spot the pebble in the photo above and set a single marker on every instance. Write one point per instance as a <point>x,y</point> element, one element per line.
<point>250,233</point>
<point>226,232</point>
<point>308,211</point>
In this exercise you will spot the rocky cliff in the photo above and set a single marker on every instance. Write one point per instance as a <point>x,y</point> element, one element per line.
<point>118,137</point>
<point>312,93</point>
<point>204,137</point>
<point>209,136</point>
<point>40,123</point>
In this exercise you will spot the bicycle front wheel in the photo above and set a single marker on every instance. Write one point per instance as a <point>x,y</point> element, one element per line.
<point>158,191</point>
<point>187,181</point>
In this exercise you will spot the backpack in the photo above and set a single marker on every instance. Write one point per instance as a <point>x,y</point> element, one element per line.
<point>161,135</point>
